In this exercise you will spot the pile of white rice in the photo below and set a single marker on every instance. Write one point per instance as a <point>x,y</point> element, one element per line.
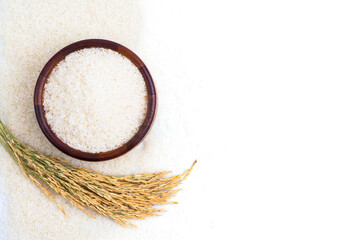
<point>95,100</point>
<point>31,32</point>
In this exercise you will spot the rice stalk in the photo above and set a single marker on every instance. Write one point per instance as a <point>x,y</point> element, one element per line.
<point>120,198</point>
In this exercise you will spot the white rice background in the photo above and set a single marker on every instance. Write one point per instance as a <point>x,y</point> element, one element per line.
<point>161,34</point>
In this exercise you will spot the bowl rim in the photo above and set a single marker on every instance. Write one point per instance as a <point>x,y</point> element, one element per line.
<point>40,112</point>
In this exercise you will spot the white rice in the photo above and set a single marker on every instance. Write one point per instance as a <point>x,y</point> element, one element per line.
<point>95,100</point>
<point>32,32</point>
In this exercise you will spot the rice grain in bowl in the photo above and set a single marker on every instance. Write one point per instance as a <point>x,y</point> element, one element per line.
<point>95,100</point>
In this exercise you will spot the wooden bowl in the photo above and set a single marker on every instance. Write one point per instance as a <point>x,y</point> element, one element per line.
<point>39,95</point>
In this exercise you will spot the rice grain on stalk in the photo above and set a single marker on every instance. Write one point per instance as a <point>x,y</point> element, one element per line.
<point>120,198</point>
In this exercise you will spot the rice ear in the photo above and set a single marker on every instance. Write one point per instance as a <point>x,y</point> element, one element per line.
<point>120,198</point>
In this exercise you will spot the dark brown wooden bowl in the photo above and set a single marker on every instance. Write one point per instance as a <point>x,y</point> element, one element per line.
<point>40,113</point>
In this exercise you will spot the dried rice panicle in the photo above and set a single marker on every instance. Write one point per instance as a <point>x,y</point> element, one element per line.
<point>121,198</point>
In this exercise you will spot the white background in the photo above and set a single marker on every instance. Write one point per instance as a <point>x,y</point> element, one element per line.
<point>286,101</point>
